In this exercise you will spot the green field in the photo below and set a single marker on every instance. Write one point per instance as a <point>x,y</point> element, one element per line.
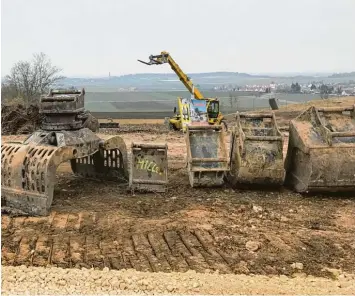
<point>166,101</point>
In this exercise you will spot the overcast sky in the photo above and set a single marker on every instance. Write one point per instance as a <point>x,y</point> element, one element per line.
<point>94,37</point>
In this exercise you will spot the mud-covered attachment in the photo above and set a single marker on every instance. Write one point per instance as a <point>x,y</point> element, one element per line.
<point>109,162</point>
<point>149,167</point>
<point>321,150</point>
<point>256,151</point>
<point>64,110</point>
<point>28,172</point>
<point>67,133</point>
<point>207,159</point>
<point>61,108</point>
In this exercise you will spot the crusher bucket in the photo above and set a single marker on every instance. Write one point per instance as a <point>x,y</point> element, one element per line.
<point>256,152</point>
<point>321,150</point>
<point>28,169</point>
<point>149,167</point>
<point>207,158</point>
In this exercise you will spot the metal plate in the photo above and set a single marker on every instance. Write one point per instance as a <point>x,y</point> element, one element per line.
<point>149,167</point>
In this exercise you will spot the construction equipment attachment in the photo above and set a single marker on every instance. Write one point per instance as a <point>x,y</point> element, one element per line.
<point>109,124</point>
<point>28,169</point>
<point>207,158</point>
<point>149,167</point>
<point>256,152</point>
<point>321,150</point>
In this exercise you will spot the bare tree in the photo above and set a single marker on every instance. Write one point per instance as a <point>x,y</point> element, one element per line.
<point>31,78</point>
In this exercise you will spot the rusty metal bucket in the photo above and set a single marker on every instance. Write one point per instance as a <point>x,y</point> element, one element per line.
<point>28,169</point>
<point>28,176</point>
<point>207,158</point>
<point>321,150</point>
<point>110,162</point>
<point>256,151</point>
<point>149,167</point>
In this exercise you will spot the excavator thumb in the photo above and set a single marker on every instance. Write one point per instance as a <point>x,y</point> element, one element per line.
<point>207,158</point>
<point>321,150</point>
<point>256,152</point>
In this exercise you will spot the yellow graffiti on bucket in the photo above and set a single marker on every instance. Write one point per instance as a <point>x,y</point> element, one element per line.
<point>149,166</point>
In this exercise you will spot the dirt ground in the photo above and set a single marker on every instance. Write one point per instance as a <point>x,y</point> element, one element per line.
<point>102,224</point>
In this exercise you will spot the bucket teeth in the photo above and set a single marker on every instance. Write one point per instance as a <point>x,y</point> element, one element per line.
<point>256,151</point>
<point>207,160</point>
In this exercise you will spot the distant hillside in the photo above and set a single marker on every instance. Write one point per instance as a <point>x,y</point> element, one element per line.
<point>204,81</point>
<point>342,75</point>
<point>161,81</point>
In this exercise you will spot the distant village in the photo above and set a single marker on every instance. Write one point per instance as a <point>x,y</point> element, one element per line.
<point>341,89</point>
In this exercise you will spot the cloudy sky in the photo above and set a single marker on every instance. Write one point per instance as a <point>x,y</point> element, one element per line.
<point>94,37</point>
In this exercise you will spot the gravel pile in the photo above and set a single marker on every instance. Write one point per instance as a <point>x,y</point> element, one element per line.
<point>53,281</point>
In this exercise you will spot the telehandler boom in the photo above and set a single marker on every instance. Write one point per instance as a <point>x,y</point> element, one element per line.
<point>215,117</point>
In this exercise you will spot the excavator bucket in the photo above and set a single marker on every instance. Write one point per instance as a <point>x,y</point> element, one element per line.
<point>321,150</point>
<point>28,169</point>
<point>207,159</point>
<point>149,167</point>
<point>256,152</point>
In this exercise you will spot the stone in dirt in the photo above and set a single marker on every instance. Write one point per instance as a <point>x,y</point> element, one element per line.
<point>297,265</point>
<point>253,246</point>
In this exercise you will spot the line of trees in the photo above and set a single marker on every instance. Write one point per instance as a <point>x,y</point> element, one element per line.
<point>27,80</point>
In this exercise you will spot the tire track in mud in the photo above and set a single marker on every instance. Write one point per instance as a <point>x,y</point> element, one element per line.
<point>77,240</point>
<point>110,238</point>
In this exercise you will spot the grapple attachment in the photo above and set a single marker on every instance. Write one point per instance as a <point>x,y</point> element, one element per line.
<point>256,151</point>
<point>28,176</point>
<point>321,150</point>
<point>28,169</point>
<point>149,167</point>
<point>207,159</point>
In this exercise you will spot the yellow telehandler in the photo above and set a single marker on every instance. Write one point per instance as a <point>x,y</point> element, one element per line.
<point>181,114</point>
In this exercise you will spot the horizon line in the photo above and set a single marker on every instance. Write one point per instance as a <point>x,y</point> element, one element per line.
<point>270,74</point>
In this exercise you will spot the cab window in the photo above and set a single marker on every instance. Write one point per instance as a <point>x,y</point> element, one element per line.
<point>213,109</point>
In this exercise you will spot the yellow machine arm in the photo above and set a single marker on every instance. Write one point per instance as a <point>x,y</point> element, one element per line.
<point>165,57</point>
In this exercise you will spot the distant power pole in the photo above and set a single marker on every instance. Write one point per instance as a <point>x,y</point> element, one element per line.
<point>109,75</point>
